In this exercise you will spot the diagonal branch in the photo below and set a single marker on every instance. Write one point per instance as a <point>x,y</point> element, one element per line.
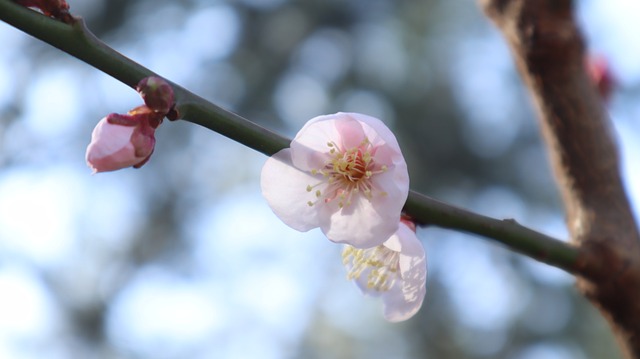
<point>549,51</point>
<point>78,41</point>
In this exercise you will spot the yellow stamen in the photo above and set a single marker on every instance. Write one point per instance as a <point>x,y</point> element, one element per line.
<point>348,172</point>
<point>381,263</point>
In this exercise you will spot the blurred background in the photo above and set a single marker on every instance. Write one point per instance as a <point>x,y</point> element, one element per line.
<point>184,259</point>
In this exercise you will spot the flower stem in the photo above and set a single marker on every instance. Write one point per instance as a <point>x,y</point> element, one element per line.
<point>79,42</point>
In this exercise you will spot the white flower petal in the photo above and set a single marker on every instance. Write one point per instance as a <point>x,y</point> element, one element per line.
<point>405,299</point>
<point>363,284</point>
<point>310,148</point>
<point>397,308</point>
<point>361,224</point>
<point>412,253</point>
<point>394,242</point>
<point>395,271</point>
<point>284,188</point>
<point>395,184</point>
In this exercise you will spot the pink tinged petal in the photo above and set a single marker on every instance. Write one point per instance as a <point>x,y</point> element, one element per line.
<point>405,298</point>
<point>346,130</point>
<point>387,150</point>
<point>285,189</point>
<point>313,121</point>
<point>143,140</point>
<point>389,156</point>
<point>143,162</point>
<point>376,131</point>
<point>351,132</point>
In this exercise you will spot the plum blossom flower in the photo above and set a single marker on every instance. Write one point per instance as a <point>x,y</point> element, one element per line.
<point>344,173</point>
<point>120,141</point>
<point>396,271</point>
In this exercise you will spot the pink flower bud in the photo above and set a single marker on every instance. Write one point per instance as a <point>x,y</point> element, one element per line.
<point>120,141</point>
<point>156,93</point>
<point>601,76</point>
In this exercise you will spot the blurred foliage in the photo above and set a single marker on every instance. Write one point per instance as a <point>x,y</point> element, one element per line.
<point>436,71</point>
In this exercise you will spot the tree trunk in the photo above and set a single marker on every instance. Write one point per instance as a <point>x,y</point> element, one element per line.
<point>550,55</point>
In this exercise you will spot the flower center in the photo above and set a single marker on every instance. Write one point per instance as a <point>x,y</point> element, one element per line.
<point>351,165</point>
<point>380,263</point>
<point>347,173</point>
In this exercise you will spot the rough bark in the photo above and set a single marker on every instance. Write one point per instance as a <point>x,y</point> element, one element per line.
<point>550,55</point>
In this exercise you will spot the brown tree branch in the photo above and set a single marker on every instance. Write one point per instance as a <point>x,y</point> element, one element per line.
<point>549,52</point>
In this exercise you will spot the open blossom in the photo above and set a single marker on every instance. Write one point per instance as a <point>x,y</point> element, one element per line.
<point>344,173</point>
<point>396,271</point>
<point>120,141</point>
